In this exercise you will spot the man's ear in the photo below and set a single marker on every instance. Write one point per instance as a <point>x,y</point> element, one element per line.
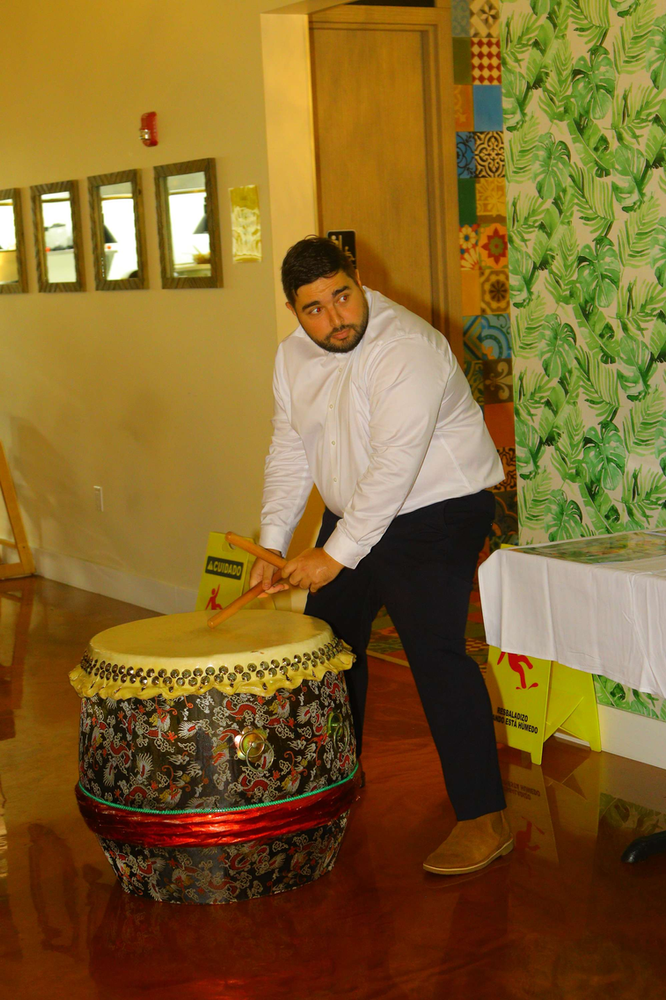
<point>358,279</point>
<point>291,309</point>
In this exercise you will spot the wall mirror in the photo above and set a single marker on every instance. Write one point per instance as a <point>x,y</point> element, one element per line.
<point>13,274</point>
<point>58,250</point>
<point>118,235</point>
<point>188,224</point>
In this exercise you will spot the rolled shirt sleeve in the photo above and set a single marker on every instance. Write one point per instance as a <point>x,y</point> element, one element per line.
<point>287,480</point>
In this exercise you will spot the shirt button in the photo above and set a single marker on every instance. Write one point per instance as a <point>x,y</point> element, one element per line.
<point>333,443</point>
<point>334,480</point>
<point>340,368</point>
<point>330,406</point>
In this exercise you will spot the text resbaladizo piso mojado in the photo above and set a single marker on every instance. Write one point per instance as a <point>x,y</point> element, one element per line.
<point>514,719</point>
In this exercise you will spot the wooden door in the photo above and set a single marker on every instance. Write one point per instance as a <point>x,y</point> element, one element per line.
<point>385,144</point>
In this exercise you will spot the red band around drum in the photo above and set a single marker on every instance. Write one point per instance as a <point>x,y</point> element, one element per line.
<point>209,829</point>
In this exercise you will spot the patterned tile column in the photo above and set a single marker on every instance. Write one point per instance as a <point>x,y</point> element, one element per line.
<point>477,73</point>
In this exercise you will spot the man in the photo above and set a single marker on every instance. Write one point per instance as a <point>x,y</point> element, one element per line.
<point>372,407</point>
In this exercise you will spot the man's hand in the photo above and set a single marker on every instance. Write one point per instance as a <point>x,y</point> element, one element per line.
<point>311,570</point>
<point>264,572</point>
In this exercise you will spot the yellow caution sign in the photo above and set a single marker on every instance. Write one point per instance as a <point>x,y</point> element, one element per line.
<point>533,698</point>
<point>225,576</point>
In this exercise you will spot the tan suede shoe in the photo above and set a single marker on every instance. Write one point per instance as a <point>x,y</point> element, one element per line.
<point>471,845</point>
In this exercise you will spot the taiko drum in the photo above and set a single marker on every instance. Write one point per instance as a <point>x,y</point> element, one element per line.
<point>216,765</point>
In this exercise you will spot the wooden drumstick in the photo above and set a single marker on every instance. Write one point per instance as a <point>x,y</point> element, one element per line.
<point>255,550</point>
<point>241,601</point>
<point>258,589</point>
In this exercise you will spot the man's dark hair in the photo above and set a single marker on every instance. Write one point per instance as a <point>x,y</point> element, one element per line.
<point>310,259</point>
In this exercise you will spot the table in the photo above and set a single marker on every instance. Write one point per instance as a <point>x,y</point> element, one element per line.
<point>597,604</point>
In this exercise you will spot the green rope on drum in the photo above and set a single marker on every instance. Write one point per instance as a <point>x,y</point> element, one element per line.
<point>181,812</point>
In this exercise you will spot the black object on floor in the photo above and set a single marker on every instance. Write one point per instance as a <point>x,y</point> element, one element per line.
<point>645,847</point>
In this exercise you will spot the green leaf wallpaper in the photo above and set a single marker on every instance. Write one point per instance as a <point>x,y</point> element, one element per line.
<point>584,99</point>
<point>571,373</point>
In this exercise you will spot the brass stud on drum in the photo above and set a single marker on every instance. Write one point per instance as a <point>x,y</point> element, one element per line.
<point>334,725</point>
<point>250,744</point>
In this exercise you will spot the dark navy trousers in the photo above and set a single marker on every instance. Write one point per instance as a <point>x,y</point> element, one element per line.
<point>422,570</point>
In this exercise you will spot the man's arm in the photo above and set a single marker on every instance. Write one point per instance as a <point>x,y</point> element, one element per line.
<point>287,486</point>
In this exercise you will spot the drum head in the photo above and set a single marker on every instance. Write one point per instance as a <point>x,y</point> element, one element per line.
<point>257,651</point>
<point>188,639</point>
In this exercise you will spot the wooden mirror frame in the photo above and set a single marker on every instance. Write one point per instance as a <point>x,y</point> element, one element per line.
<point>164,224</point>
<point>43,282</point>
<point>14,287</point>
<point>102,283</point>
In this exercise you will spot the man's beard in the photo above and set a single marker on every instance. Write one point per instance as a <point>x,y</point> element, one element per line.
<point>356,335</point>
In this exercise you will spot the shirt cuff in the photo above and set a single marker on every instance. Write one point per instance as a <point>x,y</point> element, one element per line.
<point>344,550</point>
<point>273,537</point>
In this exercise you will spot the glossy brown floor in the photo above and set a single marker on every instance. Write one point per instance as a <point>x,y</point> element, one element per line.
<point>559,918</point>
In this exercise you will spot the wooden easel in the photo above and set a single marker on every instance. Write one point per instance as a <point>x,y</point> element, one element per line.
<point>26,564</point>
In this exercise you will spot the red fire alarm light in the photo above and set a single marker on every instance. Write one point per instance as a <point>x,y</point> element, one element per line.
<point>148,130</point>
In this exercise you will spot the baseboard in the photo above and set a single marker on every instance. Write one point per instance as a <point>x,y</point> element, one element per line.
<point>139,590</point>
<point>633,736</point>
<point>568,738</point>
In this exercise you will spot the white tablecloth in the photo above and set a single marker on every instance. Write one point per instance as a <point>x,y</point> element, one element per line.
<point>597,604</point>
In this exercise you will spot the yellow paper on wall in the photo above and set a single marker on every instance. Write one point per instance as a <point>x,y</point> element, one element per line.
<point>245,223</point>
<point>225,575</point>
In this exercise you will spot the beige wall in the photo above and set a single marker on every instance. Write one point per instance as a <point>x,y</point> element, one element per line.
<point>162,397</point>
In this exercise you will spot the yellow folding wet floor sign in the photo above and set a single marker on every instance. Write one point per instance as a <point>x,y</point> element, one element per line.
<point>533,698</point>
<point>225,576</point>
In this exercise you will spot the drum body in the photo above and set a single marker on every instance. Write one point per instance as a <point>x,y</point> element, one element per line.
<point>217,765</point>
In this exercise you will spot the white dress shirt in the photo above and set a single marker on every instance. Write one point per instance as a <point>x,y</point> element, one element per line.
<point>384,429</point>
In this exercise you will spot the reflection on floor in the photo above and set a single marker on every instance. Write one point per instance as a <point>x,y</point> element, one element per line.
<point>559,918</point>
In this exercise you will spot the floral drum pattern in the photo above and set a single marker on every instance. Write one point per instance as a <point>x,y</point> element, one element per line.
<point>229,873</point>
<point>219,754</point>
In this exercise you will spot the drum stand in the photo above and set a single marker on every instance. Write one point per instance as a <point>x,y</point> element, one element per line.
<point>26,564</point>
